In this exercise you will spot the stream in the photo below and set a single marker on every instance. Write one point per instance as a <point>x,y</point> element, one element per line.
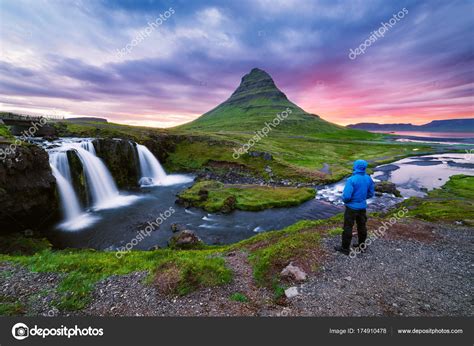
<point>115,217</point>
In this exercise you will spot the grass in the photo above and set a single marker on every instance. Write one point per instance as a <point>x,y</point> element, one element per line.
<point>239,297</point>
<point>9,307</point>
<point>270,252</point>
<point>298,154</point>
<point>172,271</point>
<point>83,268</point>
<point>181,271</point>
<point>5,132</point>
<point>214,196</point>
<point>454,201</point>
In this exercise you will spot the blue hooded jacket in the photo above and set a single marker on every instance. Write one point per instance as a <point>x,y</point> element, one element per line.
<point>359,187</point>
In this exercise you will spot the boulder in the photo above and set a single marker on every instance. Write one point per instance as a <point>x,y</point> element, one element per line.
<point>293,272</point>
<point>291,292</point>
<point>185,240</point>
<point>176,227</point>
<point>203,194</point>
<point>387,187</point>
<point>229,204</point>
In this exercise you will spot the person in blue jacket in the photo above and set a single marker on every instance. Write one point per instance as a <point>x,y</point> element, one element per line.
<point>359,187</point>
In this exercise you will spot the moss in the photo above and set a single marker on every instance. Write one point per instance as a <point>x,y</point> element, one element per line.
<point>452,202</point>
<point>214,196</point>
<point>18,244</point>
<point>5,132</point>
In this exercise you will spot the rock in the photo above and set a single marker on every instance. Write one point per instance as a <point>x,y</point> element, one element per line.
<point>268,169</point>
<point>121,158</point>
<point>348,278</point>
<point>185,240</point>
<point>176,227</point>
<point>27,189</point>
<point>293,272</point>
<point>266,156</point>
<point>229,204</point>
<point>154,247</point>
<point>183,202</point>
<point>291,292</point>
<point>387,187</point>
<point>203,194</point>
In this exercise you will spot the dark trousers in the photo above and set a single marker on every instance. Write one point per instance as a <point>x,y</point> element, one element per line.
<point>359,217</point>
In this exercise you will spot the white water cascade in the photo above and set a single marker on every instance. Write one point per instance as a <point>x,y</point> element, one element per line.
<point>74,218</point>
<point>153,174</point>
<point>101,185</point>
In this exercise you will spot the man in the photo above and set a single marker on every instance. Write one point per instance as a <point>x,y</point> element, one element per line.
<point>359,187</point>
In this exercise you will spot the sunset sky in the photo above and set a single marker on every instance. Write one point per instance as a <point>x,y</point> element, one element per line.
<point>60,57</point>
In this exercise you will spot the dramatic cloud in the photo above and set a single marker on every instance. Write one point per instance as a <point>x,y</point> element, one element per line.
<point>62,56</point>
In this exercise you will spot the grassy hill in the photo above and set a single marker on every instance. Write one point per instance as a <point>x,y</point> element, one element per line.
<point>257,101</point>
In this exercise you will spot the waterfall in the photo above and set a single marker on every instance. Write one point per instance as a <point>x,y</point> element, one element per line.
<point>60,166</point>
<point>74,218</point>
<point>152,173</point>
<point>101,185</point>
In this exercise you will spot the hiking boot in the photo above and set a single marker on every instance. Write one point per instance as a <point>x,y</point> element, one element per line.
<point>341,249</point>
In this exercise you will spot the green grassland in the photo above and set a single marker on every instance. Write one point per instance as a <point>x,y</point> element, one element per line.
<point>453,202</point>
<point>268,253</point>
<point>212,196</point>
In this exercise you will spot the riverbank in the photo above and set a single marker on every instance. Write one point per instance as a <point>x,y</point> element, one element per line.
<point>244,278</point>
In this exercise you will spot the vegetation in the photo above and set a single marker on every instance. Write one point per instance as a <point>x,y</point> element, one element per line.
<point>239,297</point>
<point>452,202</point>
<point>18,244</point>
<point>214,196</point>
<point>5,132</point>
<point>83,268</point>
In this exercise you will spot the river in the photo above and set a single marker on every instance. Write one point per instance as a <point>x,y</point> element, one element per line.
<point>115,226</point>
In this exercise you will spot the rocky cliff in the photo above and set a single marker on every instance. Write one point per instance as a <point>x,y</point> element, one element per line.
<point>28,197</point>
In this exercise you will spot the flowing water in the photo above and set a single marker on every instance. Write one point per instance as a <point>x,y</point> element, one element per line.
<point>115,218</point>
<point>74,217</point>
<point>153,174</point>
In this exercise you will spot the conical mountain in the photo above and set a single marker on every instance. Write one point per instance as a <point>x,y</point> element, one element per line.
<point>258,101</point>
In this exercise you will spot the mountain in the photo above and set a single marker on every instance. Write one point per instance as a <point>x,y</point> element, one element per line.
<point>257,101</point>
<point>450,125</point>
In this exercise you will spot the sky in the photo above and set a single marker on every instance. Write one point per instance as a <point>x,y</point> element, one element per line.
<point>164,63</point>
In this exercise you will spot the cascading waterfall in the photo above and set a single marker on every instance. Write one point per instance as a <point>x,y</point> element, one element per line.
<point>153,174</point>
<point>101,185</point>
<point>102,188</point>
<point>74,218</point>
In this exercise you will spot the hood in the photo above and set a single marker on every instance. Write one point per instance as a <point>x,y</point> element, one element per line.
<point>360,166</point>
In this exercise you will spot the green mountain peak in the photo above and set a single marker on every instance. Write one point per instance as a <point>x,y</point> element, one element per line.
<point>256,102</point>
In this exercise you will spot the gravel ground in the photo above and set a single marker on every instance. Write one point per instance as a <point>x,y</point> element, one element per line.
<point>431,277</point>
<point>34,291</point>
<point>128,296</point>
<point>419,269</point>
